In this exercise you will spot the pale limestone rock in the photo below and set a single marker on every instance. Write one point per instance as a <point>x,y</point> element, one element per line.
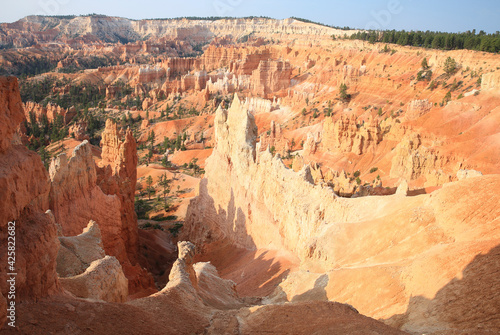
<point>402,189</point>
<point>464,174</point>
<point>344,135</point>
<point>78,252</point>
<point>103,280</point>
<point>490,81</point>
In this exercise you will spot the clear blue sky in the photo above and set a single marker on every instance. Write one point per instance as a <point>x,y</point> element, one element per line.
<point>441,15</point>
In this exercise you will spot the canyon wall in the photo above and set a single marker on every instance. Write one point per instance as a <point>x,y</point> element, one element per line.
<point>51,111</point>
<point>81,191</point>
<point>24,198</point>
<point>371,252</point>
<point>96,28</point>
<point>345,136</point>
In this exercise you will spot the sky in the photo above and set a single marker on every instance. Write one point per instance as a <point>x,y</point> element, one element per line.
<point>435,15</point>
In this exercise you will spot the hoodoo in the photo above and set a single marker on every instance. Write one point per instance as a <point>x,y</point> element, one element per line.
<point>247,176</point>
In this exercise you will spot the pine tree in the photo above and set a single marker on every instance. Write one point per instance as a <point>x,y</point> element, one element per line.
<point>450,66</point>
<point>425,65</point>
<point>165,184</point>
<point>150,189</point>
<point>343,92</point>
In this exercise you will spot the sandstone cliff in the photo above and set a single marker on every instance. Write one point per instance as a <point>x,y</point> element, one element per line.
<point>51,111</point>
<point>346,136</point>
<point>102,280</point>
<point>24,190</point>
<point>197,300</point>
<point>251,200</point>
<point>81,191</point>
<point>78,252</point>
<point>38,29</point>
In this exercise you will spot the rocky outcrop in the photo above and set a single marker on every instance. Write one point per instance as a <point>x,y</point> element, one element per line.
<point>200,281</point>
<point>151,74</point>
<point>24,194</point>
<point>270,77</point>
<point>490,81</point>
<point>11,111</point>
<point>38,29</point>
<point>417,108</point>
<point>75,199</point>
<point>412,161</point>
<point>102,280</point>
<point>81,191</point>
<point>78,252</point>
<point>249,199</point>
<point>117,175</point>
<point>79,131</point>
<point>260,198</point>
<point>51,111</point>
<point>345,135</point>
<point>260,105</point>
<point>274,140</point>
<point>182,270</point>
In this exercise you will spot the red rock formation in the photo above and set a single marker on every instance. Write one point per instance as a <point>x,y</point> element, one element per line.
<point>270,77</point>
<point>417,108</point>
<point>274,140</point>
<point>81,192</point>
<point>24,191</point>
<point>117,175</point>
<point>490,81</point>
<point>51,111</point>
<point>176,67</point>
<point>345,135</point>
<point>79,131</point>
<point>412,161</point>
<point>151,74</point>
<point>250,200</point>
<point>102,280</point>
<point>75,199</point>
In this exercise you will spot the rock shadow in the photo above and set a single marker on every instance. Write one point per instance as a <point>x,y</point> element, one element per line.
<point>468,304</point>
<point>317,293</point>
<point>222,238</point>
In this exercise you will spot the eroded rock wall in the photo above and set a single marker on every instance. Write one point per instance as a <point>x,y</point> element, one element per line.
<point>382,247</point>
<point>82,191</point>
<point>24,191</point>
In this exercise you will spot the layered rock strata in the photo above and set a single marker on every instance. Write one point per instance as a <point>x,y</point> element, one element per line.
<point>24,195</point>
<point>82,191</point>
<point>386,245</point>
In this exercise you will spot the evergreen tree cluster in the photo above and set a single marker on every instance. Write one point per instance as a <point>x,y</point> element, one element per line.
<point>42,131</point>
<point>174,144</point>
<point>469,40</point>
<point>81,95</point>
<point>92,62</point>
<point>29,66</point>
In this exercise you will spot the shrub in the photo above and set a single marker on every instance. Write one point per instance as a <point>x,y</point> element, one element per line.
<point>374,169</point>
<point>425,65</point>
<point>450,66</point>
<point>175,229</point>
<point>356,174</point>
<point>343,93</point>
<point>272,150</point>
